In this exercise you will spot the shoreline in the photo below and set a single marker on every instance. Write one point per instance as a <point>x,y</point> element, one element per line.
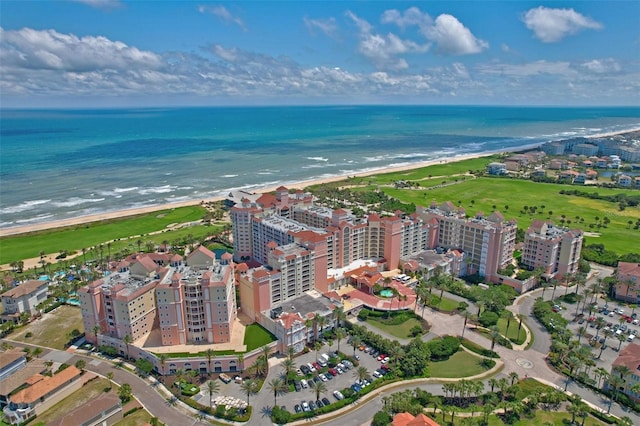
<point>116,214</point>
<point>79,220</point>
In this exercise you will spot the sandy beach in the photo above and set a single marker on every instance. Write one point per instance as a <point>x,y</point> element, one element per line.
<point>300,184</point>
<point>303,184</point>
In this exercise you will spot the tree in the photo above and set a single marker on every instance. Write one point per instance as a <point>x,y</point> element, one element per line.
<point>96,330</point>
<point>278,387</point>
<point>249,387</point>
<point>288,366</point>
<point>125,392</point>
<point>212,388</point>
<point>37,351</point>
<point>210,353</point>
<point>80,364</point>
<point>361,373</point>
<point>340,334</point>
<point>356,341</point>
<point>127,340</point>
<point>514,377</point>
<point>162,358</point>
<point>318,388</point>
<point>495,334</point>
<point>110,378</point>
<point>339,316</point>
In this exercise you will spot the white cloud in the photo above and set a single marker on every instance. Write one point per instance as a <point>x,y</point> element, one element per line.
<point>222,13</point>
<point>327,26</point>
<point>101,4</point>
<point>49,49</point>
<point>600,66</point>
<point>384,50</point>
<point>410,17</point>
<point>44,64</point>
<point>453,38</point>
<point>552,25</point>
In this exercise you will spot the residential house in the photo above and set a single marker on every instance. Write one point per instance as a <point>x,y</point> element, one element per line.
<point>625,180</point>
<point>23,299</point>
<point>41,393</point>
<point>497,169</point>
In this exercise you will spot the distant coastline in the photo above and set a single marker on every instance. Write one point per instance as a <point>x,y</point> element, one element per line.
<point>300,184</point>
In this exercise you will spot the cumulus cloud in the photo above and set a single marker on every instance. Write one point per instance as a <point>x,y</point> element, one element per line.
<point>453,38</point>
<point>410,17</point>
<point>224,14</point>
<point>552,25</point>
<point>326,26</point>
<point>45,64</point>
<point>383,50</point>
<point>49,49</point>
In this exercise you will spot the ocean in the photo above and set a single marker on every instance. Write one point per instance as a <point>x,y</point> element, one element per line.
<point>64,163</point>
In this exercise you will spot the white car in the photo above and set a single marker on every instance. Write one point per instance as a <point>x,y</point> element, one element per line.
<point>311,367</point>
<point>338,395</point>
<point>322,377</point>
<point>630,338</point>
<point>304,383</point>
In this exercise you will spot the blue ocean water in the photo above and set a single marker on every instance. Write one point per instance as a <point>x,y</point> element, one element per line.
<point>57,164</point>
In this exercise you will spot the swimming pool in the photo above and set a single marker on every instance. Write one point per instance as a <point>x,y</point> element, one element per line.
<point>386,293</point>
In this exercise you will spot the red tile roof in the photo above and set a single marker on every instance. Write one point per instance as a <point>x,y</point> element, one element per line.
<point>45,386</point>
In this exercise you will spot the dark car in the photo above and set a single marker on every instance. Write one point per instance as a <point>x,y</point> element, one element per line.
<point>319,403</point>
<point>326,401</point>
<point>312,405</point>
<point>305,369</point>
<point>316,379</point>
<point>297,385</point>
<point>297,408</point>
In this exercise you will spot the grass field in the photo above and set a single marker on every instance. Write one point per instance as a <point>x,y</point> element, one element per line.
<point>460,364</point>
<point>87,393</point>
<point>514,336</point>
<point>87,235</point>
<point>140,417</point>
<point>255,336</point>
<point>447,305</point>
<point>398,330</point>
<point>510,196</point>
<point>53,329</point>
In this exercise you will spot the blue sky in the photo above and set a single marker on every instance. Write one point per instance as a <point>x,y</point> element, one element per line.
<point>155,53</point>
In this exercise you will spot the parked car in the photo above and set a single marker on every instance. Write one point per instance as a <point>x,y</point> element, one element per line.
<point>322,377</point>
<point>297,385</point>
<point>338,395</point>
<point>319,403</point>
<point>326,401</point>
<point>333,372</point>
<point>312,405</point>
<point>305,369</point>
<point>311,367</point>
<point>304,384</point>
<point>356,387</point>
<point>305,406</point>
<point>630,338</point>
<point>297,408</point>
<point>225,378</point>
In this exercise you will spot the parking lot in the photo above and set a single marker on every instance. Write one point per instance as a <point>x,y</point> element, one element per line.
<point>617,318</point>
<point>338,382</point>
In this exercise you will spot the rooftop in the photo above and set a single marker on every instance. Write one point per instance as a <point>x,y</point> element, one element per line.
<point>25,288</point>
<point>305,304</point>
<point>45,386</point>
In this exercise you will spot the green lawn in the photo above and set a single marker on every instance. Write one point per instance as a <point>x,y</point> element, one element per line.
<point>255,336</point>
<point>447,304</point>
<point>52,330</point>
<point>398,330</point>
<point>140,417</point>
<point>483,193</point>
<point>87,235</point>
<point>514,336</point>
<point>460,364</point>
<point>87,393</point>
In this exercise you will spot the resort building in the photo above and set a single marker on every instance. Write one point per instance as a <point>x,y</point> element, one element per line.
<point>23,299</point>
<point>628,282</point>
<point>190,302</point>
<point>497,169</point>
<point>628,357</point>
<point>555,250</point>
<point>408,419</point>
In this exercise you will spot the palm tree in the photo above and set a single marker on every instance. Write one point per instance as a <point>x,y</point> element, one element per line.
<point>514,377</point>
<point>614,382</point>
<point>110,378</point>
<point>249,387</point>
<point>601,373</point>
<point>241,363</point>
<point>322,322</point>
<point>210,354</point>
<point>95,330</point>
<point>340,334</point>
<point>493,382</point>
<point>288,366</point>
<point>495,335</point>
<point>361,373</point>
<point>339,316</point>
<point>212,388</point>
<point>127,340</point>
<point>278,387</point>
<point>318,388</point>
<point>581,332</point>
<point>162,358</point>
<point>356,341</point>
<point>621,338</point>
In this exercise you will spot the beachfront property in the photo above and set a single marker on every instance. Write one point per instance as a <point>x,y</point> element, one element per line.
<point>627,286</point>
<point>555,250</point>
<point>41,393</point>
<point>188,302</point>
<point>497,169</point>
<point>23,299</point>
